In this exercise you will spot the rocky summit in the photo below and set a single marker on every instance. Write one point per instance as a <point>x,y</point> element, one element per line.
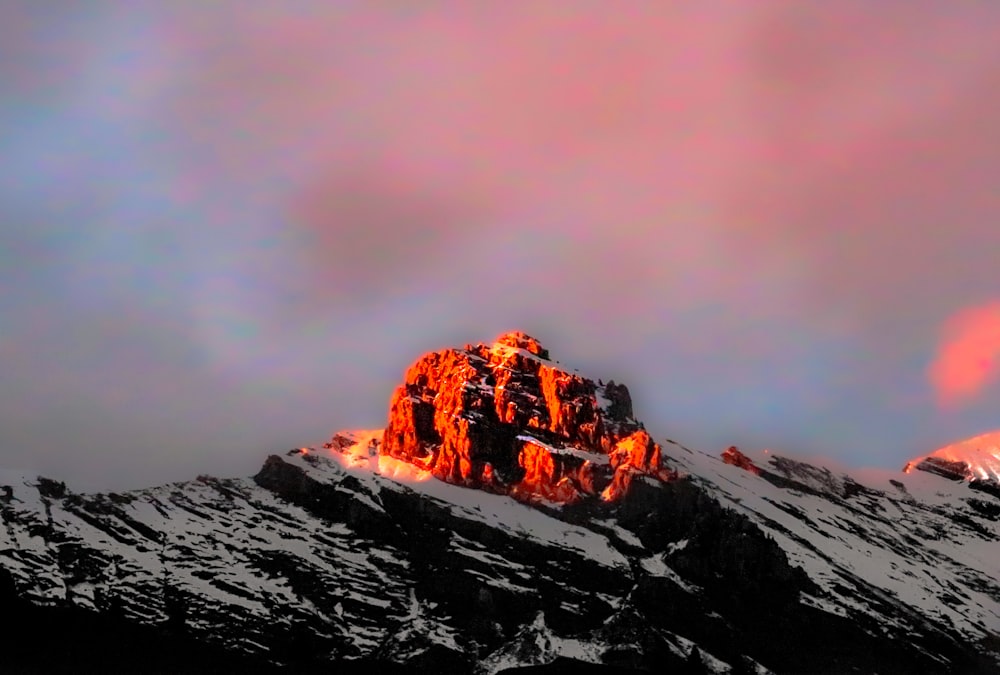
<point>512,516</point>
<point>507,419</point>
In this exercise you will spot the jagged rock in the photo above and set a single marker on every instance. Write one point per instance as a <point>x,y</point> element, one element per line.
<point>621,402</point>
<point>733,456</point>
<point>952,469</point>
<point>51,488</point>
<point>504,418</point>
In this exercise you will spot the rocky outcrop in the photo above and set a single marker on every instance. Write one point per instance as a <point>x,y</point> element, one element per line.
<point>507,419</point>
<point>733,456</point>
<point>951,469</point>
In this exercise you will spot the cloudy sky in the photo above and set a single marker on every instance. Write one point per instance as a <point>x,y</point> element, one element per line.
<point>227,228</point>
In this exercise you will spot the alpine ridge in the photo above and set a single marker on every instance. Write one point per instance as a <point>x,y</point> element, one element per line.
<point>512,516</point>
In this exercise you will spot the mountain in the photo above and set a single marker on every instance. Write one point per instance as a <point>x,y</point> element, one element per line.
<point>513,516</point>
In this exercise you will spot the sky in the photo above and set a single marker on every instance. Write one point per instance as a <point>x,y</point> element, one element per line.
<point>227,228</point>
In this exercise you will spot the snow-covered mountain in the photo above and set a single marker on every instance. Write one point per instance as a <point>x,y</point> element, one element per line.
<point>514,514</point>
<point>902,554</point>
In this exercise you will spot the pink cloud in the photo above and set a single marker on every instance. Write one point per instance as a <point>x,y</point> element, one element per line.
<point>698,194</point>
<point>967,359</point>
<point>765,157</point>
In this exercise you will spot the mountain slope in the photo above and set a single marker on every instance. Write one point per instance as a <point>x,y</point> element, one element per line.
<point>901,554</point>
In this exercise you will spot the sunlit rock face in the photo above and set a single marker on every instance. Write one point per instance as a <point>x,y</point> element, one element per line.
<point>506,418</point>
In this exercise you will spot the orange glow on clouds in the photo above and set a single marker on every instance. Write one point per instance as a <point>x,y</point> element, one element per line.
<point>966,360</point>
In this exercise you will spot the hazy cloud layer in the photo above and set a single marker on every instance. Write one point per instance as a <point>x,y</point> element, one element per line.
<point>225,228</point>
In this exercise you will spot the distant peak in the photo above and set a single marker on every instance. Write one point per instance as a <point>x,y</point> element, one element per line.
<point>976,458</point>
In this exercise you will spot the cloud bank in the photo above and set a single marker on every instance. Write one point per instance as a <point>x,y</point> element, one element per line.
<point>758,215</point>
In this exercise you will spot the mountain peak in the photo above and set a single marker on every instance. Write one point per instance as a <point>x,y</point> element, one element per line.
<point>506,419</point>
<point>974,459</point>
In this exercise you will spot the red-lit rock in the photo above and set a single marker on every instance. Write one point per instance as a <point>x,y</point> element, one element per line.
<point>507,419</point>
<point>733,456</point>
<point>553,475</point>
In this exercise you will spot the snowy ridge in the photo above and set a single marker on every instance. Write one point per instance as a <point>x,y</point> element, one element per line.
<point>370,557</point>
<point>206,541</point>
<point>362,461</point>
<point>247,565</point>
<point>900,548</point>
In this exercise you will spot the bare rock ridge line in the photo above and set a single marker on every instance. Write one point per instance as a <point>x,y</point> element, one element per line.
<point>506,419</point>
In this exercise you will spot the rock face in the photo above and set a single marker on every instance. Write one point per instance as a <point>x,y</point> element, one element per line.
<point>506,419</point>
